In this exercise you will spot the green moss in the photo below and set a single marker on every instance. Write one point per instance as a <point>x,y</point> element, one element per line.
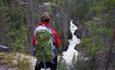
<point>23,64</point>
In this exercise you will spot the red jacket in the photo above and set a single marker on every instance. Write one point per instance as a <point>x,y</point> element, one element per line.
<point>57,40</point>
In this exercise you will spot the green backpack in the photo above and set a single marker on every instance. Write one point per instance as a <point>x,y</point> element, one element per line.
<point>44,42</point>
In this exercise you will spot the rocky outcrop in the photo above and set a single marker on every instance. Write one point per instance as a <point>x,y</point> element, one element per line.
<point>17,61</point>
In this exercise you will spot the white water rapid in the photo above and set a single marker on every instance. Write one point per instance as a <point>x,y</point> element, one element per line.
<point>71,52</point>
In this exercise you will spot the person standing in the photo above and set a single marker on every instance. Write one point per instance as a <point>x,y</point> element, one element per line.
<point>45,21</point>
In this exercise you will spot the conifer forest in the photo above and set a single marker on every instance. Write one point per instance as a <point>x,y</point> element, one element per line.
<point>86,29</point>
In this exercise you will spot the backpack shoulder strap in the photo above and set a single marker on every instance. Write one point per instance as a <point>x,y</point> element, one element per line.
<point>41,28</point>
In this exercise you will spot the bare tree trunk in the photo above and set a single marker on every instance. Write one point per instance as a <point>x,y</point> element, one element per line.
<point>30,13</point>
<point>109,56</point>
<point>30,19</point>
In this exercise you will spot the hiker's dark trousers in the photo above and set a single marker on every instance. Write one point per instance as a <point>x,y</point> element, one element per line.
<point>52,65</point>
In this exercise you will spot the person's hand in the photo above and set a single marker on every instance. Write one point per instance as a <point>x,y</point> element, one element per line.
<point>33,51</point>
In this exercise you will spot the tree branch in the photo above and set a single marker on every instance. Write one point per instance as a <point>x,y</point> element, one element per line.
<point>22,2</point>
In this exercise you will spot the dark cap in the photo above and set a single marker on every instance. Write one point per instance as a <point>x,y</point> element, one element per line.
<point>45,17</point>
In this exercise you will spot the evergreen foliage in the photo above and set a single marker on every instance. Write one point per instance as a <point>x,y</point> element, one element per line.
<point>97,17</point>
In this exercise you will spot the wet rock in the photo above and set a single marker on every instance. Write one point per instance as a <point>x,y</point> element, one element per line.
<point>4,48</point>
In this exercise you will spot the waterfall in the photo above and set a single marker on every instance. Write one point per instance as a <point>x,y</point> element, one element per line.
<point>71,52</point>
